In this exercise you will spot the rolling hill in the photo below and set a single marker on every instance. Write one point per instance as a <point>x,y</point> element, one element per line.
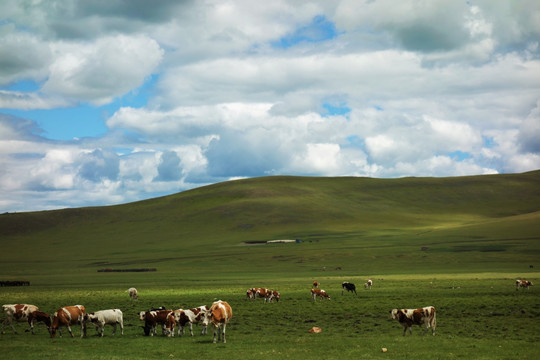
<point>358,225</point>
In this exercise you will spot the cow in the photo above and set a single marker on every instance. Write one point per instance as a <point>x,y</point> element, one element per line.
<point>152,318</point>
<point>190,317</point>
<point>320,293</point>
<point>105,317</point>
<point>275,295</point>
<point>368,284</point>
<point>250,293</point>
<point>220,313</point>
<point>170,323</point>
<point>523,284</point>
<point>66,316</point>
<point>409,317</point>
<point>349,287</point>
<point>39,316</point>
<point>18,312</point>
<point>267,294</point>
<point>316,284</point>
<point>133,293</point>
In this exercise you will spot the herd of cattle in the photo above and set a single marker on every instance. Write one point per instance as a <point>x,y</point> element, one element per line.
<point>218,314</point>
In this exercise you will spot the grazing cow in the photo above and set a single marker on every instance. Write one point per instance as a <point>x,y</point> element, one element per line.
<point>219,314</point>
<point>275,295</point>
<point>190,317</point>
<point>348,286</point>
<point>267,294</point>
<point>39,316</point>
<point>66,316</point>
<point>250,293</point>
<point>316,284</point>
<point>133,293</point>
<point>105,317</point>
<point>523,284</point>
<point>368,284</point>
<point>18,312</point>
<point>152,318</point>
<point>409,317</point>
<point>320,293</point>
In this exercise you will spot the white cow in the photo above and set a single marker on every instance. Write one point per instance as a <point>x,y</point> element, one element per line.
<point>133,293</point>
<point>106,317</point>
<point>368,284</point>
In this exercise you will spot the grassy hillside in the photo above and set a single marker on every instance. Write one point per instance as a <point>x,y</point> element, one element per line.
<point>361,225</point>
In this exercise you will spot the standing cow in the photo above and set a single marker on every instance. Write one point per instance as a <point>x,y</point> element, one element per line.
<point>154,317</point>
<point>105,317</point>
<point>368,284</point>
<point>320,293</point>
<point>190,317</point>
<point>409,317</point>
<point>66,316</point>
<point>133,293</point>
<point>348,286</point>
<point>19,312</point>
<point>523,283</point>
<point>219,314</point>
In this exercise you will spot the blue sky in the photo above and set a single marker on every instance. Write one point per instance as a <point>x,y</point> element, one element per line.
<point>109,102</point>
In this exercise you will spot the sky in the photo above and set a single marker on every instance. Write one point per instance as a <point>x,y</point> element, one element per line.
<point>113,101</point>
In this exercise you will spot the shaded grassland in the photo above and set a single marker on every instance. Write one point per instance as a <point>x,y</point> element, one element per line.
<point>479,316</point>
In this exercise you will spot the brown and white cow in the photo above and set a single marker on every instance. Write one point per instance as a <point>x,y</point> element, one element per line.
<point>368,284</point>
<point>523,283</point>
<point>250,293</point>
<point>66,316</point>
<point>267,294</point>
<point>154,317</point>
<point>106,317</point>
<point>316,284</point>
<point>133,293</point>
<point>409,317</point>
<point>275,295</point>
<point>190,317</point>
<point>18,312</point>
<point>220,313</point>
<point>320,293</point>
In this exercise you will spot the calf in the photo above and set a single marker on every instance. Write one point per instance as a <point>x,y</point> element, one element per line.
<point>190,317</point>
<point>66,316</point>
<point>349,287</point>
<point>368,284</point>
<point>523,284</point>
<point>152,318</point>
<point>133,293</point>
<point>409,317</point>
<point>105,317</point>
<point>320,293</point>
<point>39,316</point>
<point>18,312</point>
<point>219,314</point>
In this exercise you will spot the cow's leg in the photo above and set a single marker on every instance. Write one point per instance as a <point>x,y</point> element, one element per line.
<point>204,330</point>
<point>223,333</point>
<point>216,329</point>
<point>122,326</point>
<point>191,328</point>
<point>69,329</point>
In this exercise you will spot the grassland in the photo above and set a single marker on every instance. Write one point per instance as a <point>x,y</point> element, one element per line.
<point>455,243</point>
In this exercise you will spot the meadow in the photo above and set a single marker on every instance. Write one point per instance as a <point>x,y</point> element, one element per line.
<point>458,244</point>
<point>479,316</point>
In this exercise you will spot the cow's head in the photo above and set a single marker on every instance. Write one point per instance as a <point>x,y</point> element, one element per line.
<point>90,317</point>
<point>394,313</point>
<point>206,317</point>
<point>142,315</point>
<point>177,314</point>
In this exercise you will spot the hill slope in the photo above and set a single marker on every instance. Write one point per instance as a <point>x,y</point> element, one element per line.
<point>494,220</point>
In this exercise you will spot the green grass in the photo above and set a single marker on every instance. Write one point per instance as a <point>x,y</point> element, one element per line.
<point>455,243</point>
<point>479,316</point>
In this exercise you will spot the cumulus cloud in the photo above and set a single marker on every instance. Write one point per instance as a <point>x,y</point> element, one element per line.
<point>196,92</point>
